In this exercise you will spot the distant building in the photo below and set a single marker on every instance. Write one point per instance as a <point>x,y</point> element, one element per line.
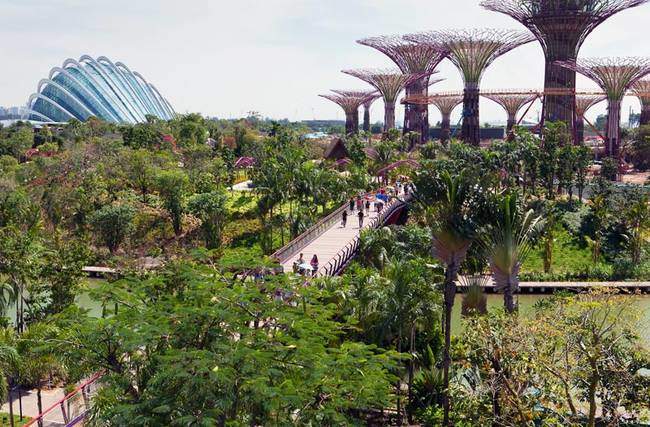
<point>96,88</point>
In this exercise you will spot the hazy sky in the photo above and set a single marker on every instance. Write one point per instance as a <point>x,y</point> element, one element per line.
<point>224,58</point>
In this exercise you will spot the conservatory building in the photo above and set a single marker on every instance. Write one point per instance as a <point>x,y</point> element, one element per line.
<point>96,88</point>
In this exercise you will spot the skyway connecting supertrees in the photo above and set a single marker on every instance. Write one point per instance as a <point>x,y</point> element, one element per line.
<point>512,101</point>
<point>411,58</point>
<point>350,101</point>
<point>641,89</point>
<point>561,26</point>
<point>615,76</point>
<point>472,51</point>
<point>389,83</point>
<point>584,101</point>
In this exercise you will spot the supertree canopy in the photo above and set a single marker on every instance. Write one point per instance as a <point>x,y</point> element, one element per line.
<point>446,103</point>
<point>584,101</point>
<point>411,58</point>
<point>472,51</point>
<point>389,83</point>
<point>512,102</point>
<point>641,89</point>
<point>615,76</point>
<point>561,26</point>
<point>350,102</point>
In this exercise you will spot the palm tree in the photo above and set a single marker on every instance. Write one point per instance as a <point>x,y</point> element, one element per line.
<point>452,237</point>
<point>507,244</point>
<point>638,219</point>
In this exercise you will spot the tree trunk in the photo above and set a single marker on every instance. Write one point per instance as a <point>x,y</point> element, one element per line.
<point>510,126</point>
<point>11,408</point>
<point>445,128</point>
<point>39,402</point>
<point>366,118</point>
<point>389,116</point>
<point>509,297</point>
<point>350,123</point>
<point>613,128</point>
<point>471,118</point>
<point>580,131</point>
<point>449,296</point>
<point>560,104</point>
<point>548,252</point>
<point>411,372</point>
<point>645,114</point>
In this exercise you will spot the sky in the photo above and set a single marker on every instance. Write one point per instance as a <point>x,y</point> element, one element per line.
<point>224,58</point>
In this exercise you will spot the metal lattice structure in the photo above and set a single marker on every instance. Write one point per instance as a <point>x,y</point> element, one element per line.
<point>472,51</point>
<point>512,102</point>
<point>561,27</point>
<point>389,83</point>
<point>641,89</point>
<point>411,58</point>
<point>446,103</point>
<point>350,101</point>
<point>615,76</point>
<point>584,101</point>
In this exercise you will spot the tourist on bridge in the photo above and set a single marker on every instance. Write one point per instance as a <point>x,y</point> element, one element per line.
<point>360,215</point>
<point>314,265</point>
<point>344,218</point>
<point>352,204</point>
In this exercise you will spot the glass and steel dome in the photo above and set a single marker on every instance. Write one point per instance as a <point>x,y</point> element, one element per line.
<point>100,88</point>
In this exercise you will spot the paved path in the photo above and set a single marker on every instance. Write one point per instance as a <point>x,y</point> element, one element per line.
<point>30,406</point>
<point>328,244</point>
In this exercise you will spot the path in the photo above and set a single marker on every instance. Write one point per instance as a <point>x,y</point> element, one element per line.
<point>328,244</point>
<point>30,406</point>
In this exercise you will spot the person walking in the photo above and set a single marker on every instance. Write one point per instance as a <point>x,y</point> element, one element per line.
<point>344,218</point>
<point>367,205</point>
<point>352,204</point>
<point>359,203</point>
<point>360,215</point>
<point>314,265</point>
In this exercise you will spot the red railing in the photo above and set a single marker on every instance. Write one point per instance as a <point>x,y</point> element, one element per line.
<point>73,407</point>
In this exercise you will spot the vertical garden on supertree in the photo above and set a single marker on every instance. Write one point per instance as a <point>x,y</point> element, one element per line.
<point>389,83</point>
<point>641,90</point>
<point>561,26</point>
<point>411,58</point>
<point>366,110</point>
<point>472,51</point>
<point>615,76</point>
<point>512,102</point>
<point>446,103</point>
<point>584,101</point>
<point>350,101</point>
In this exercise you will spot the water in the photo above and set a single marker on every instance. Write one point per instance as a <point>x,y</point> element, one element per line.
<point>527,301</point>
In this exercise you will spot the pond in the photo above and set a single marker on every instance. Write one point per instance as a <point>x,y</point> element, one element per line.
<point>527,302</point>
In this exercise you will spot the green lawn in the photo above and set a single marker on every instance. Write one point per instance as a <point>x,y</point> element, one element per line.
<point>4,420</point>
<point>568,256</point>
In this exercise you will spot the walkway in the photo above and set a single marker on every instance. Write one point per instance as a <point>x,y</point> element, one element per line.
<point>334,244</point>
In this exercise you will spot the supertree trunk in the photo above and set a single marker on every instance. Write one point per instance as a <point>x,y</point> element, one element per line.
<point>512,121</point>
<point>645,114</point>
<point>580,131</point>
<point>389,116</point>
<point>351,126</point>
<point>416,116</point>
<point>471,125</point>
<point>560,106</point>
<point>613,128</point>
<point>366,118</point>
<point>445,128</point>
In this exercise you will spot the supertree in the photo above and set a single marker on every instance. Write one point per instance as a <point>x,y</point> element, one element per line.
<point>366,110</point>
<point>389,83</point>
<point>641,90</point>
<point>512,102</point>
<point>446,103</point>
<point>411,58</point>
<point>584,101</point>
<point>350,102</point>
<point>614,76</point>
<point>472,51</point>
<point>561,26</point>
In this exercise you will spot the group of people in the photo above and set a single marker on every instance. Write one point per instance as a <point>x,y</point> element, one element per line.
<point>301,267</point>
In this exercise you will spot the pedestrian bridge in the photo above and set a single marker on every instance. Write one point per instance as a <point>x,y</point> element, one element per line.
<point>334,244</point>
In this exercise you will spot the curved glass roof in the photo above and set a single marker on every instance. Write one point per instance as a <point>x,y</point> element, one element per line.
<point>96,87</point>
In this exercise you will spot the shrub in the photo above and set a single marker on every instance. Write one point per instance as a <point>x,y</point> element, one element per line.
<point>113,223</point>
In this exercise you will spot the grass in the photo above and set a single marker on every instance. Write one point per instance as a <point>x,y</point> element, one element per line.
<point>568,256</point>
<point>4,420</point>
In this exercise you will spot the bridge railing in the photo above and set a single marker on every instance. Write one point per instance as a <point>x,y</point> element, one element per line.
<point>343,257</point>
<point>72,409</point>
<point>308,236</point>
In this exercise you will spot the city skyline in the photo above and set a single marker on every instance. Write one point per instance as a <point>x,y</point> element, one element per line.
<point>224,59</point>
